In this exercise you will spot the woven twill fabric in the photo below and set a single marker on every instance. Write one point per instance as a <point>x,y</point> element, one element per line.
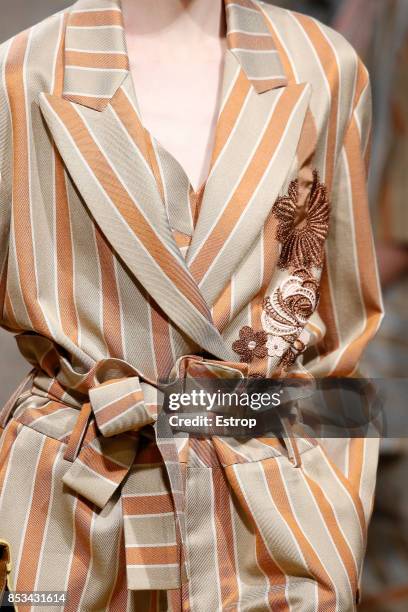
<point>116,275</point>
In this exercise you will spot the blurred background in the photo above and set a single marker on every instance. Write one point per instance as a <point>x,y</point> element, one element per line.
<point>378,29</point>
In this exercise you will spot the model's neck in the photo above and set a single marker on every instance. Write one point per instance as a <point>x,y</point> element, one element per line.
<point>171,19</point>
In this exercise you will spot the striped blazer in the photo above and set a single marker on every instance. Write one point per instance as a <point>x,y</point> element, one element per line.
<point>115,274</point>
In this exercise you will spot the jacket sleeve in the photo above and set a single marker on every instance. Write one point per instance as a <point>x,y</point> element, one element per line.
<point>350,308</point>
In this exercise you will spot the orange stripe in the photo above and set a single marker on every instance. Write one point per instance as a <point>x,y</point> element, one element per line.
<point>22,226</point>
<point>227,569</point>
<point>204,450</point>
<point>270,249</point>
<point>261,159</point>
<point>64,248</point>
<point>112,315</point>
<point>240,40</point>
<point>96,60</point>
<point>93,102</point>
<point>356,461</point>
<point>155,555</point>
<point>195,199</point>
<point>38,515</point>
<point>161,339</point>
<point>230,114</point>
<point>182,240</point>
<point>95,18</point>
<point>125,205</point>
<point>149,504</point>
<point>117,407</point>
<point>82,555</point>
<point>149,455</point>
<point>361,82</point>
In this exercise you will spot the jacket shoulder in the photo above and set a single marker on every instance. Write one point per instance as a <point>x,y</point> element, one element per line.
<point>27,49</point>
<point>309,44</point>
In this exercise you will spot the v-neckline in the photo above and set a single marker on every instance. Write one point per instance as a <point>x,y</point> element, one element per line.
<point>199,192</point>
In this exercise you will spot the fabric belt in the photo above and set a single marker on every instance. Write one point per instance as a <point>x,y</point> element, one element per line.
<point>118,407</point>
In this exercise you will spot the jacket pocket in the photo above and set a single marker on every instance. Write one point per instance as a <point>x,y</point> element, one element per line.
<point>309,526</point>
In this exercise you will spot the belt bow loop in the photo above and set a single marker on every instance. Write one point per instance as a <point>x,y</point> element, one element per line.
<point>103,444</point>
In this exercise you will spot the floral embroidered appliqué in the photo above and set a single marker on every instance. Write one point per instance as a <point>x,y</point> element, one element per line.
<point>302,231</point>
<point>250,344</point>
<point>285,314</point>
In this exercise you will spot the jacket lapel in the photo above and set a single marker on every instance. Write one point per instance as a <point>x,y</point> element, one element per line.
<point>258,131</point>
<point>95,126</point>
<point>95,55</point>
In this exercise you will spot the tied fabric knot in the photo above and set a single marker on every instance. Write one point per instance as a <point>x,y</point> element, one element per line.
<point>116,410</point>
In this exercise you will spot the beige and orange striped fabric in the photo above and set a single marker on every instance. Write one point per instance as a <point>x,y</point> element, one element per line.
<point>116,275</point>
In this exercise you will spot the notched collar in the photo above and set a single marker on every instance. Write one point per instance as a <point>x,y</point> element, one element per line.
<point>250,39</point>
<point>96,60</point>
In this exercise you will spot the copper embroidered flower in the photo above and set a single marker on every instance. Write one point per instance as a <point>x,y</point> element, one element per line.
<point>302,231</point>
<point>250,344</point>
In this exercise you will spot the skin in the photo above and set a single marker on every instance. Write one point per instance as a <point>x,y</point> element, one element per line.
<point>176,50</point>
